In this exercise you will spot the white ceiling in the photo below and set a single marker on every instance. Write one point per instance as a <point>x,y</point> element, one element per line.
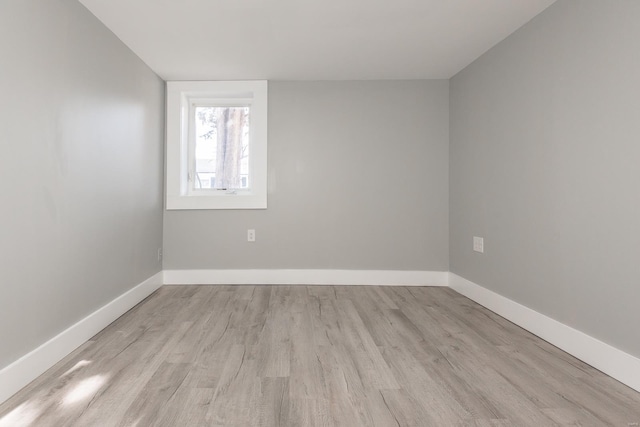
<point>311,39</point>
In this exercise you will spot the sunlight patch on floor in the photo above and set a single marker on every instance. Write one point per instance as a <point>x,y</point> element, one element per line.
<point>84,389</point>
<point>77,366</point>
<point>22,416</point>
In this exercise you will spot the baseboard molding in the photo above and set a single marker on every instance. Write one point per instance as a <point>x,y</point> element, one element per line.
<point>306,277</point>
<point>610,360</point>
<point>24,370</point>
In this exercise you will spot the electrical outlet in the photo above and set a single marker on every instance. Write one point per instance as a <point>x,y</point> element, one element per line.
<point>251,235</point>
<point>159,254</point>
<point>478,244</point>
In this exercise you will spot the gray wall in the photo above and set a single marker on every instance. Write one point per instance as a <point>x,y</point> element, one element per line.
<point>358,180</point>
<point>81,134</point>
<point>545,164</point>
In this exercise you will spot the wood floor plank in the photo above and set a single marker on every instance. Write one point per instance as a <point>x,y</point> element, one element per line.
<point>273,348</point>
<point>157,392</point>
<point>372,367</point>
<point>274,402</point>
<point>305,376</point>
<point>328,356</point>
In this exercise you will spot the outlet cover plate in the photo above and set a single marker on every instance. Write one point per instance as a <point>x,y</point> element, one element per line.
<point>478,244</point>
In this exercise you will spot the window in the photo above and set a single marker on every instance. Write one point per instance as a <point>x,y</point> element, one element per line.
<point>217,145</point>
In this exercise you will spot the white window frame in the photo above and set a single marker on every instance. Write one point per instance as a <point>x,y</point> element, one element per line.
<point>180,96</point>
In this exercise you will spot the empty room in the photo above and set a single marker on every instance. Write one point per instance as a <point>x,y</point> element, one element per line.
<point>293,213</point>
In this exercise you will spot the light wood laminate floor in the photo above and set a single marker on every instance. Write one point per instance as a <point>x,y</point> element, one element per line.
<point>318,356</point>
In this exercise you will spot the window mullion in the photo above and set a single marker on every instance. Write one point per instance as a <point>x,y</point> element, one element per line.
<point>191,149</point>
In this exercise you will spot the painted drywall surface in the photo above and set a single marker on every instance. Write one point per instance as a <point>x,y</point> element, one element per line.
<point>81,154</point>
<point>358,179</point>
<point>545,165</point>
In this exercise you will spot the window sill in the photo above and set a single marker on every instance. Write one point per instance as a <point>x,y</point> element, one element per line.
<point>221,201</point>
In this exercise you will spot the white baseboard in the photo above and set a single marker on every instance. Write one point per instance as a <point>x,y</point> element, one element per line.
<point>306,277</point>
<point>610,360</point>
<point>24,370</point>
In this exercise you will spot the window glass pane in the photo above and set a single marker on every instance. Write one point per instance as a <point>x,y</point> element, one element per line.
<point>221,147</point>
